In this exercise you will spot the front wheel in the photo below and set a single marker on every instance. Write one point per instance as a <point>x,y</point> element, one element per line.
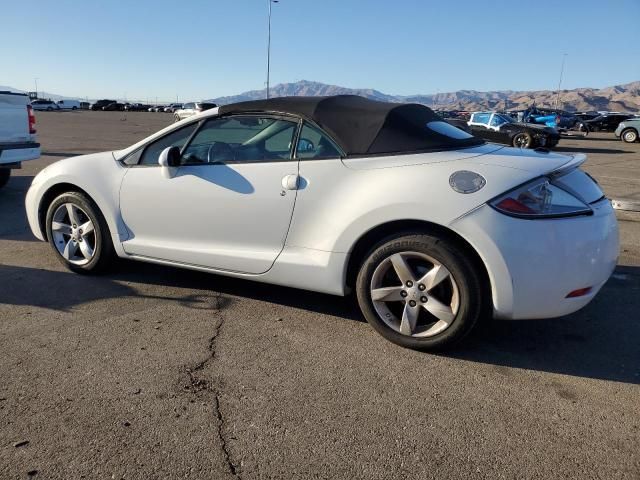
<point>522,140</point>
<point>5,173</point>
<point>420,292</point>
<point>629,135</point>
<point>78,233</point>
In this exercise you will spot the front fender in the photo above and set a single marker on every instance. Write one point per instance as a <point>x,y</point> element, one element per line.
<point>98,175</point>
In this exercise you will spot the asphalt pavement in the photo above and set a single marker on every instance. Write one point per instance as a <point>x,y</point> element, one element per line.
<point>154,372</point>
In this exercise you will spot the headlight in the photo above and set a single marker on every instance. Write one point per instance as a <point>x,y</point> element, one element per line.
<point>540,199</point>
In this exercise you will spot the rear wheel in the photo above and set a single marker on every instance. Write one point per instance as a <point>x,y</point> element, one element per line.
<point>78,233</point>
<point>419,292</point>
<point>629,135</point>
<point>522,140</point>
<point>5,173</point>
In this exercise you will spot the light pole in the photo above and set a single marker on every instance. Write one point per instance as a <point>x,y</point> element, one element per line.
<point>35,80</point>
<point>564,56</point>
<point>269,44</point>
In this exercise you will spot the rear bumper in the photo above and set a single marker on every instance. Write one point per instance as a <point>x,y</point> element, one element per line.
<point>534,264</point>
<point>18,152</point>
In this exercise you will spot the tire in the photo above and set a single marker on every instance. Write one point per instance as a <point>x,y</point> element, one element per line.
<point>629,135</point>
<point>49,109</point>
<point>176,118</point>
<point>522,140</point>
<point>5,173</point>
<point>74,108</point>
<point>456,298</point>
<point>85,211</point>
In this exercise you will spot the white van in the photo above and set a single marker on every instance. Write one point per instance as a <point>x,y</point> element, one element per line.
<point>69,104</point>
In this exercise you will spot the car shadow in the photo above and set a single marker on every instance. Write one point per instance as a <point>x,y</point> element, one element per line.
<point>600,341</point>
<point>61,154</point>
<point>589,150</point>
<point>219,174</point>
<point>13,219</point>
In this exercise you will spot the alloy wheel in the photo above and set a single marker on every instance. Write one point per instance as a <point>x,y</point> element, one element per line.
<point>521,141</point>
<point>74,234</point>
<point>630,136</point>
<point>414,294</point>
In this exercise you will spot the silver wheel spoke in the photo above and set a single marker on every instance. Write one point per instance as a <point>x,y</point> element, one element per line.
<point>73,216</point>
<point>70,249</point>
<point>409,319</point>
<point>86,250</point>
<point>434,277</point>
<point>73,234</point>
<point>439,310</point>
<point>61,227</point>
<point>401,268</point>
<point>86,228</point>
<point>387,294</point>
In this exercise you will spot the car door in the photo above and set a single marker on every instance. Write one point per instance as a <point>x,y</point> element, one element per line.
<point>225,206</point>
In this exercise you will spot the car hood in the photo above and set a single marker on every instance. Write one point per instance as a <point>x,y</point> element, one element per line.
<point>532,161</point>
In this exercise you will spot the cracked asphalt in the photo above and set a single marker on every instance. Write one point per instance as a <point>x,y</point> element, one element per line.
<point>154,372</point>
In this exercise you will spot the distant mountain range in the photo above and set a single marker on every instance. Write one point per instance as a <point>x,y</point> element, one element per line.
<point>617,98</point>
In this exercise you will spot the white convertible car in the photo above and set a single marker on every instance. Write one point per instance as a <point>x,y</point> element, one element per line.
<point>430,227</point>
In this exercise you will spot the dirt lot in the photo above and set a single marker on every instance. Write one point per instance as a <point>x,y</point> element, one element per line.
<point>153,372</point>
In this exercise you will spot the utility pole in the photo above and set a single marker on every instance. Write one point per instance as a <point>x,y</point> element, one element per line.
<point>564,56</point>
<point>269,44</point>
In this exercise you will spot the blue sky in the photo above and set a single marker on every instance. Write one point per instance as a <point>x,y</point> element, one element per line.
<point>208,48</point>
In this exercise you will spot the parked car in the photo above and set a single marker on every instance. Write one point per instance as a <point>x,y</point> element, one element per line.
<point>427,225</point>
<point>69,104</point>
<point>114,107</point>
<point>156,108</point>
<point>192,108</point>
<point>629,130</point>
<point>173,107</point>
<point>47,105</point>
<point>604,123</point>
<point>136,107</point>
<point>17,134</point>
<point>101,103</point>
<point>501,128</point>
<point>552,118</point>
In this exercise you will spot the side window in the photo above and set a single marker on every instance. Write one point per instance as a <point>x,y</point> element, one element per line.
<point>241,139</point>
<point>497,120</point>
<point>315,144</point>
<point>482,118</point>
<point>177,138</point>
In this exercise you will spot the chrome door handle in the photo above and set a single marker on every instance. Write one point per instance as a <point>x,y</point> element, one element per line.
<point>290,182</point>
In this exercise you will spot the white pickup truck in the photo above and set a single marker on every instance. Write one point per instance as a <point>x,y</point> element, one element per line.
<point>17,133</point>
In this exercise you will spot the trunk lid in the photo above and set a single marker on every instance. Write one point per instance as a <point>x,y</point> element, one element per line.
<point>539,162</point>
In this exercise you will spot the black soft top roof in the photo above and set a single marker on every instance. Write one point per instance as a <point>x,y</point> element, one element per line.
<point>362,126</point>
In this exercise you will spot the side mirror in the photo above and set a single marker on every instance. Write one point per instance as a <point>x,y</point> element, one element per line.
<point>169,160</point>
<point>170,157</point>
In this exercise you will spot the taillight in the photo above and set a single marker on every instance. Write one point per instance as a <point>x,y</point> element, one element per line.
<point>32,120</point>
<point>581,292</point>
<point>540,199</point>
<point>558,120</point>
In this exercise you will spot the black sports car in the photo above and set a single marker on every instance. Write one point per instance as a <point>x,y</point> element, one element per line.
<point>501,128</point>
<point>604,123</point>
